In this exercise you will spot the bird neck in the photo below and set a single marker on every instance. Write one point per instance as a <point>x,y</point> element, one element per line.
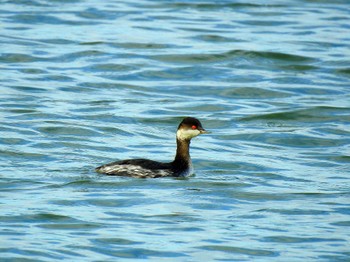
<point>182,158</point>
<point>183,149</point>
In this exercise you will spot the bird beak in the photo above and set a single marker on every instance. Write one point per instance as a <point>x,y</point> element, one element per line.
<point>203,131</point>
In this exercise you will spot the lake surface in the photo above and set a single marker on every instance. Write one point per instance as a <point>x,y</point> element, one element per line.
<point>86,82</point>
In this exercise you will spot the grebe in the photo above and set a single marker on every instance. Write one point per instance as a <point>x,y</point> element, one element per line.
<point>181,166</point>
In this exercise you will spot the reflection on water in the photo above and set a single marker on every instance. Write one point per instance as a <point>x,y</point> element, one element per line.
<point>88,82</point>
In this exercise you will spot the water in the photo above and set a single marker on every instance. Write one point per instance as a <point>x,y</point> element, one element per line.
<point>87,82</point>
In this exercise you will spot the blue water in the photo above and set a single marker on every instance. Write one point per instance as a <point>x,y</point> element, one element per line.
<point>86,82</point>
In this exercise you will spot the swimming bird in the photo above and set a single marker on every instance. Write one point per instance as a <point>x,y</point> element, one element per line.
<point>181,166</point>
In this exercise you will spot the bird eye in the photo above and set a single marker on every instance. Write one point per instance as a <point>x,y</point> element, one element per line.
<point>194,127</point>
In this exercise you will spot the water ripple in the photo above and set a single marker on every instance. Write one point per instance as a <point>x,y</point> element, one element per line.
<point>87,82</point>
